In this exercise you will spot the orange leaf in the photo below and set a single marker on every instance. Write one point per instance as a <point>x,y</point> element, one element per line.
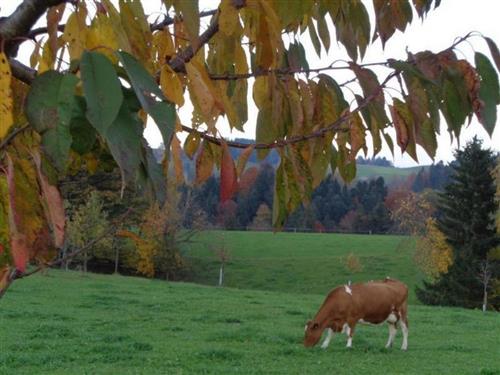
<point>228,176</point>
<point>54,206</point>
<point>176,155</point>
<point>242,160</point>
<point>204,163</point>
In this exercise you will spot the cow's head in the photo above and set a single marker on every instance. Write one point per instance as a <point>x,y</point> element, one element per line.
<point>313,333</point>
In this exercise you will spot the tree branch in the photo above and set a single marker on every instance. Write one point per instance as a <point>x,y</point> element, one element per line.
<point>334,126</point>
<point>12,135</point>
<point>178,61</point>
<point>20,22</point>
<point>283,72</point>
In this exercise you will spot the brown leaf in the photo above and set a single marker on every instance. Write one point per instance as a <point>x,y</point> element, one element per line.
<point>204,163</point>
<point>177,158</point>
<point>228,176</point>
<point>54,16</point>
<point>242,160</point>
<point>54,206</point>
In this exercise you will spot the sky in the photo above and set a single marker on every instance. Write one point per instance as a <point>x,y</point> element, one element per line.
<point>452,19</point>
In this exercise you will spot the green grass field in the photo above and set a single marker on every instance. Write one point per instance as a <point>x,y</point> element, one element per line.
<point>67,323</point>
<point>301,262</point>
<point>390,174</point>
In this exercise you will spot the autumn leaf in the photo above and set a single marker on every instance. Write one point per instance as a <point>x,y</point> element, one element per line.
<point>171,85</point>
<point>6,117</point>
<point>243,159</point>
<point>177,159</point>
<point>228,175</point>
<point>54,207</point>
<point>204,163</point>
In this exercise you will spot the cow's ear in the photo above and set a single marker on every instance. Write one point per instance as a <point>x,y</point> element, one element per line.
<point>315,326</point>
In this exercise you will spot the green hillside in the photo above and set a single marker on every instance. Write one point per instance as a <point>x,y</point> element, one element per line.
<point>390,174</point>
<point>67,323</point>
<point>301,262</point>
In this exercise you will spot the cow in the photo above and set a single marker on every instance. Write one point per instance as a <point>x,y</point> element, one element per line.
<point>374,302</point>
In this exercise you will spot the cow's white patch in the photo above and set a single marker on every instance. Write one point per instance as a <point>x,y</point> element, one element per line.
<point>349,342</point>
<point>346,329</point>
<point>305,328</point>
<point>392,318</point>
<point>348,290</point>
<point>327,339</point>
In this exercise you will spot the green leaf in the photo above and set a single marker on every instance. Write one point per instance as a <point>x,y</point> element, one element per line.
<point>153,181</point>
<point>124,137</point>
<point>101,88</point>
<point>347,168</point>
<point>314,37</point>
<point>426,137</point>
<point>190,16</point>
<point>324,33</point>
<point>49,109</point>
<point>452,108</point>
<point>489,92</point>
<point>150,96</point>
<point>494,51</point>
<point>264,131</point>
<point>82,132</point>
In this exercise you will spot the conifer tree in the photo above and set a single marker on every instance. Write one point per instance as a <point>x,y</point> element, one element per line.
<point>466,217</point>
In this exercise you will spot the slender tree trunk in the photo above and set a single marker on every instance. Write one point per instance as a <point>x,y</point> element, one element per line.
<point>485,300</point>
<point>117,254</point>
<point>221,274</point>
<point>85,262</point>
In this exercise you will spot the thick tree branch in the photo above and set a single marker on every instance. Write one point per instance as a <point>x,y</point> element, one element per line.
<point>334,126</point>
<point>184,56</point>
<point>20,22</point>
<point>22,72</point>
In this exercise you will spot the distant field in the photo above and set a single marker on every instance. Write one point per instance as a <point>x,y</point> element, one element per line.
<point>389,174</point>
<point>301,262</point>
<point>67,323</point>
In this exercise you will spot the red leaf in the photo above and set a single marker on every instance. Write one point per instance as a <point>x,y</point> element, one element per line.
<point>17,240</point>
<point>228,177</point>
<point>54,204</point>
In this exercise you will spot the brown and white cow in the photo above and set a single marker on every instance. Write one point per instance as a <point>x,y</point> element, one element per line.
<point>373,302</point>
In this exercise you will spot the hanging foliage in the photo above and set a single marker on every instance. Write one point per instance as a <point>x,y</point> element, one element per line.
<point>99,72</point>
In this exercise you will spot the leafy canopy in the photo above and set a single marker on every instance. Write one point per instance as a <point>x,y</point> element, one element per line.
<point>95,79</point>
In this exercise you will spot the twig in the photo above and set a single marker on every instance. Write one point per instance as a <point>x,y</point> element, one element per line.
<point>12,135</point>
<point>334,126</point>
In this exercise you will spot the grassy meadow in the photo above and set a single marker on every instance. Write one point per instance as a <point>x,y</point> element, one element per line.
<point>301,262</point>
<point>68,323</point>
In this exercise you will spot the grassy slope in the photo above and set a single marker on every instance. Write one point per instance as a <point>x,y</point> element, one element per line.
<point>302,262</point>
<point>66,323</point>
<point>388,173</point>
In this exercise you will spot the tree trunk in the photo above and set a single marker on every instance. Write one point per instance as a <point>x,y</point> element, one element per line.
<point>221,274</point>
<point>485,300</point>
<point>117,255</point>
<point>85,262</point>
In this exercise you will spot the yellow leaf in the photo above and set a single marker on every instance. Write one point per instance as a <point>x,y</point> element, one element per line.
<point>201,87</point>
<point>190,18</point>
<point>35,56</point>
<point>229,17</point>
<point>204,163</point>
<point>139,36</point>
<point>101,36</point>
<point>177,158</point>
<point>114,18</point>
<point>242,160</point>
<point>75,32</point>
<point>163,45</point>
<point>6,117</point>
<point>171,85</point>
<point>191,144</point>
<point>261,92</point>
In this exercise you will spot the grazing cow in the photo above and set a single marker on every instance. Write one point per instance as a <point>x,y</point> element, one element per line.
<point>373,302</point>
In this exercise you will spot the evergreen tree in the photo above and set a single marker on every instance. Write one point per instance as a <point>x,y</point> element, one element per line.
<point>467,207</point>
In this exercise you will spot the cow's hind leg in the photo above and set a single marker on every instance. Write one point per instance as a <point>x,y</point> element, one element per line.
<point>392,333</point>
<point>404,326</point>
<point>327,338</point>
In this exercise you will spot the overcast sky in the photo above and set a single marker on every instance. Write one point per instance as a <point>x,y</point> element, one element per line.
<point>454,18</point>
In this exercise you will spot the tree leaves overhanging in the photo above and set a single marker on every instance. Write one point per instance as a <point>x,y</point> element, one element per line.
<point>95,79</point>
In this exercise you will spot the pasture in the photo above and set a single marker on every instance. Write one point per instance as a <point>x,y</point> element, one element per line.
<point>68,323</point>
<point>301,262</point>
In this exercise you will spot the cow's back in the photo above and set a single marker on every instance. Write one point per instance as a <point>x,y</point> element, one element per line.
<point>374,301</point>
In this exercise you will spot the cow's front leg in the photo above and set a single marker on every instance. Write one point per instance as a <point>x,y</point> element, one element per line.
<point>349,330</point>
<point>329,335</point>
